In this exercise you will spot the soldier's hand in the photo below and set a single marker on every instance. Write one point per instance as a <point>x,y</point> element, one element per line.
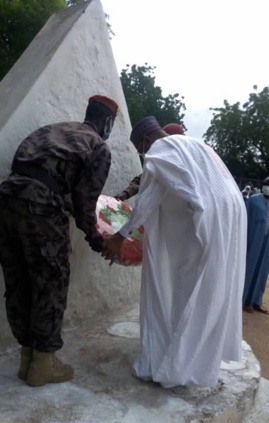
<point>122,196</point>
<point>96,243</point>
<point>112,247</point>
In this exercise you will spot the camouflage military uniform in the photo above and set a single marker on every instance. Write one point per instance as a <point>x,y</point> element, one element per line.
<point>34,225</point>
<point>133,187</point>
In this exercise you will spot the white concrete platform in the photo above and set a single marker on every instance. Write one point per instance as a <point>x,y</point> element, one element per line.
<point>104,390</point>
<point>260,411</point>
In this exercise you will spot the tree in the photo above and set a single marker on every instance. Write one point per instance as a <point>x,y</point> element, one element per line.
<point>20,21</point>
<point>240,135</point>
<point>144,98</point>
<point>73,2</point>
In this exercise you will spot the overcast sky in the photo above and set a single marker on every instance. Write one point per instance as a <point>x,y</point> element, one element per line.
<point>206,50</point>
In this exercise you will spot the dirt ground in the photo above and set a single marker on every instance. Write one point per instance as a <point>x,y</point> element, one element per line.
<point>256,334</point>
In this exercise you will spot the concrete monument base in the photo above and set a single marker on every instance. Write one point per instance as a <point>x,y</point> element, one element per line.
<point>104,390</point>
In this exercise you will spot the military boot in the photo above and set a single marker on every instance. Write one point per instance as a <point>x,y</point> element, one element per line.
<point>26,357</point>
<point>45,368</point>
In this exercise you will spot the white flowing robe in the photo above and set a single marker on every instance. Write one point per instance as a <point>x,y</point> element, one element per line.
<point>193,265</point>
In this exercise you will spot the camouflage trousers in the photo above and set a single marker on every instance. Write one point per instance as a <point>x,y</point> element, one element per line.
<point>34,254</point>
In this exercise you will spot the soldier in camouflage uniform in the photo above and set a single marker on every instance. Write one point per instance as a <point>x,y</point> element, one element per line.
<point>57,165</point>
<point>133,187</point>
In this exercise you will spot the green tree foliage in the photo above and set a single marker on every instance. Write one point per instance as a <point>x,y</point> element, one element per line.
<point>240,135</point>
<point>20,21</point>
<point>144,98</point>
<point>73,2</point>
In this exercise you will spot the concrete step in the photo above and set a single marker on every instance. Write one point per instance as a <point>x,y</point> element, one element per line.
<point>104,391</point>
<point>260,411</point>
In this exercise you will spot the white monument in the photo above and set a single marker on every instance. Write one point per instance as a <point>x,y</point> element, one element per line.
<point>67,62</point>
<point>70,60</point>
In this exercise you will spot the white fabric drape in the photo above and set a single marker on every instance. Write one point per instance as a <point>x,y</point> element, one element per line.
<point>193,266</point>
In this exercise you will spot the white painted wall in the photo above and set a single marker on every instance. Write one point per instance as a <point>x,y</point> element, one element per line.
<point>70,60</point>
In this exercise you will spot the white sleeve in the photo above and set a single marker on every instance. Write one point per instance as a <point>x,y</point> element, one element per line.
<point>150,196</point>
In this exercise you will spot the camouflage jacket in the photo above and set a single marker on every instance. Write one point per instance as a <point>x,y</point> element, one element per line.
<point>76,157</point>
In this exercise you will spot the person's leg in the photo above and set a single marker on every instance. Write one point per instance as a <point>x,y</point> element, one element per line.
<point>15,271</point>
<point>18,299</point>
<point>16,277</point>
<point>50,275</point>
<point>48,262</point>
<point>256,277</point>
<point>47,252</point>
<point>261,278</point>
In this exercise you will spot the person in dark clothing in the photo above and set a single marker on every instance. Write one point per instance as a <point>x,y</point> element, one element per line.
<point>257,265</point>
<point>58,169</point>
<point>133,187</point>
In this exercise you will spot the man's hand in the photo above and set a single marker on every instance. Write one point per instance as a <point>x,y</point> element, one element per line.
<point>96,243</point>
<point>112,247</point>
<point>122,196</point>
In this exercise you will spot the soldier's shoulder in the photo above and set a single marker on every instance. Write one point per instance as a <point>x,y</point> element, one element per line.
<point>50,127</point>
<point>79,127</point>
<point>63,125</point>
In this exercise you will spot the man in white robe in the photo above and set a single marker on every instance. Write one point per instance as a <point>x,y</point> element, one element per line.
<point>193,267</point>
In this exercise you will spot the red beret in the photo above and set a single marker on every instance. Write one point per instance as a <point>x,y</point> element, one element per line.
<point>106,101</point>
<point>173,129</point>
